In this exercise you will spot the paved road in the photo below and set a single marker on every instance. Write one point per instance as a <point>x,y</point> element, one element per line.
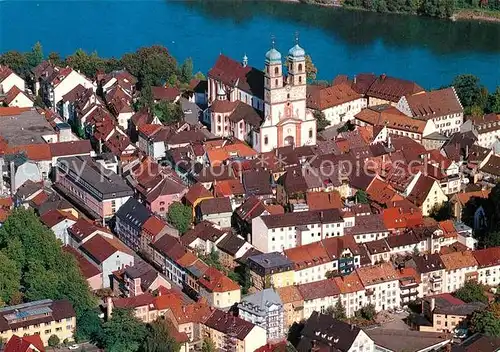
<point>84,347</point>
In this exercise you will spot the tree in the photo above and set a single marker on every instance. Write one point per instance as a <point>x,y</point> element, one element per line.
<point>10,277</point>
<point>89,327</point>
<point>469,91</point>
<point>492,239</point>
<point>124,332</point>
<point>311,70</point>
<point>208,345</point>
<point>35,57</point>
<point>168,113</point>
<point>339,311</point>
<point>54,341</point>
<point>321,121</point>
<point>200,76</point>
<point>180,216</point>
<point>368,312</point>
<point>17,62</point>
<point>471,292</point>
<point>55,58</point>
<point>186,70</point>
<point>441,212</point>
<point>361,197</point>
<point>348,126</point>
<point>494,101</point>
<point>486,322</point>
<point>159,339</point>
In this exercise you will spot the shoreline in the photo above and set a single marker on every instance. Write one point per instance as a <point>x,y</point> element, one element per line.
<point>459,15</point>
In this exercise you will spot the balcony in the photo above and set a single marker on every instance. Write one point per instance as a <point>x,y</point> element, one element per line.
<point>436,278</point>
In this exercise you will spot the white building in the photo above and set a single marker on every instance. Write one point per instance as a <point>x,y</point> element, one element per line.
<point>286,119</point>
<point>17,97</point>
<point>338,103</point>
<point>59,222</point>
<point>352,292</point>
<point>63,81</point>
<point>488,261</point>
<point>277,232</point>
<point>264,309</point>
<point>441,106</point>
<point>9,79</point>
<point>318,296</point>
<point>460,267</point>
<point>487,128</point>
<point>381,284</point>
<point>432,273</point>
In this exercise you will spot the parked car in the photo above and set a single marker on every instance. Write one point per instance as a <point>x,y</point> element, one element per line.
<point>73,347</point>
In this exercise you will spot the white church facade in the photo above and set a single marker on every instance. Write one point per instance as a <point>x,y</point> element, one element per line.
<point>266,109</point>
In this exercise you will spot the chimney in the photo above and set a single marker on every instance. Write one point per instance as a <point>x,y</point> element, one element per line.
<point>109,307</point>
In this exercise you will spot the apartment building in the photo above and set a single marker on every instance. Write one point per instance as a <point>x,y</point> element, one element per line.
<point>460,267</point>
<point>293,304</point>
<point>44,318</point>
<point>318,296</point>
<point>269,269</point>
<point>311,262</point>
<point>282,231</point>
<point>265,309</point>
<point>352,292</point>
<point>432,273</point>
<point>97,191</point>
<point>368,227</point>
<point>488,129</point>
<point>219,290</point>
<point>488,266</point>
<point>229,332</point>
<point>129,221</point>
<point>381,284</point>
<point>409,285</point>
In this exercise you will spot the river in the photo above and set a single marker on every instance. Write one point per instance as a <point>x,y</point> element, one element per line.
<point>428,51</point>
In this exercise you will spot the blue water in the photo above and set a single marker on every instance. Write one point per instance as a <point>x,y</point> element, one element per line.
<point>429,51</point>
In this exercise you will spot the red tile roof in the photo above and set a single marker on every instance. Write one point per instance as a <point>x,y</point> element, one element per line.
<point>86,267</point>
<point>12,94</point>
<point>35,152</point>
<point>321,98</point>
<point>349,283</point>
<point>23,344</point>
<point>101,248</point>
<point>142,300</point>
<point>436,103</point>
<point>153,225</point>
<point>165,93</point>
<point>324,200</point>
<point>392,89</point>
<point>12,111</point>
<point>318,289</point>
<point>377,274</point>
<point>308,255</point>
<point>196,192</point>
<point>458,260</point>
<point>55,216</point>
<point>215,281</point>
<point>487,257</point>
<point>80,147</point>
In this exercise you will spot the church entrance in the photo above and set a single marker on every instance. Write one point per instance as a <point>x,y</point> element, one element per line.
<point>289,141</point>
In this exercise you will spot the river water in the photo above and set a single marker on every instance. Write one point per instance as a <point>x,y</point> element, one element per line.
<point>428,51</point>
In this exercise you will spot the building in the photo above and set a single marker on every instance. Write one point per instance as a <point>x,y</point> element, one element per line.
<point>129,221</point>
<point>89,270</point>
<point>216,210</point>
<point>9,79</point>
<point>381,284</point>
<point>44,318</point>
<point>460,268</point>
<point>229,332</point>
<point>265,309</point>
<point>459,200</point>
<point>270,269</point>
<point>338,103</point>
<point>97,191</point>
<point>282,100</point>
<point>29,343</point>
<point>329,334</point>
<point>409,285</point>
<point>488,266</point>
<point>444,312</point>
<point>16,97</point>
<point>219,290</point>
<point>293,305</point>
<point>442,106</point>
<point>479,342</point>
<point>488,129</point>
<point>432,273</point>
<point>398,340</point>
<point>318,296</point>
<point>352,292</point>
<point>59,221</point>
<point>108,255</point>
<point>426,193</point>
<point>289,230</point>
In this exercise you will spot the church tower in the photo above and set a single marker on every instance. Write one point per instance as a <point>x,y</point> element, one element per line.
<point>274,70</point>
<point>296,64</point>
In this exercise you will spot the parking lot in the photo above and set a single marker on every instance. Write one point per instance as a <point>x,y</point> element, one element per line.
<point>393,321</point>
<point>83,347</point>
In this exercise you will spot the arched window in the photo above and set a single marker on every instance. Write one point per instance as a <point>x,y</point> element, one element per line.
<point>276,70</point>
<point>300,67</point>
<point>288,96</point>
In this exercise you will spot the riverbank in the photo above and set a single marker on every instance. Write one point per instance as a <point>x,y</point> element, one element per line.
<point>459,14</point>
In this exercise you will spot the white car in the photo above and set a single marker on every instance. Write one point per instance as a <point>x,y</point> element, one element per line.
<point>188,111</point>
<point>73,347</point>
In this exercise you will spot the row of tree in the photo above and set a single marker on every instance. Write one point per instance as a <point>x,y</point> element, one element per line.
<point>432,8</point>
<point>475,97</point>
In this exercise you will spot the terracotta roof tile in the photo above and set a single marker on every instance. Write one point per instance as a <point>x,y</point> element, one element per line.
<point>377,274</point>
<point>392,89</point>
<point>308,255</point>
<point>54,217</point>
<point>154,225</point>
<point>324,200</point>
<point>321,98</point>
<point>349,283</point>
<point>86,267</point>
<point>458,260</point>
<point>196,192</point>
<point>228,323</point>
<point>463,198</point>
<point>145,299</point>
<point>101,248</point>
<point>319,289</point>
<point>35,152</point>
<point>433,104</point>
<point>487,257</point>
<point>289,294</point>
<point>215,281</point>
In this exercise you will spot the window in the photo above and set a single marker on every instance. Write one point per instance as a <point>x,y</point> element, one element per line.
<point>276,71</point>
<point>162,203</point>
<point>310,133</point>
<point>300,79</point>
<point>162,209</point>
<point>288,96</point>
<point>266,140</point>
<point>300,67</point>
<point>275,82</point>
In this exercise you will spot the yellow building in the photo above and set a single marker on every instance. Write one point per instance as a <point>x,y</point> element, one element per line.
<point>229,332</point>
<point>293,304</point>
<point>195,195</point>
<point>270,269</point>
<point>44,318</point>
<point>427,194</point>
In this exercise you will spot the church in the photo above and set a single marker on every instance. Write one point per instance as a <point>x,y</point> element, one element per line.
<point>266,109</point>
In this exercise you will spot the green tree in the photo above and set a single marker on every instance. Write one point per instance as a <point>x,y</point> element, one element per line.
<point>124,332</point>
<point>35,57</point>
<point>339,311</point>
<point>441,212</point>
<point>486,322</point>
<point>361,197</point>
<point>368,312</point>
<point>212,259</point>
<point>469,91</point>
<point>494,101</point>
<point>168,113</point>
<point>10,278</point>
<point>348,126</point>
<point>54,341</point>
<point>208,345</point>
<point>492,239</point>
<point>311,70</point>
<point>199,75</point>
<point>89,327</point>
<point>55,58</point>
<point>186,70</point>
<point>471,292</point>
<point>159,339</point>
<point>17,62</point>
<point>180,216</point>
<point>321,121</point>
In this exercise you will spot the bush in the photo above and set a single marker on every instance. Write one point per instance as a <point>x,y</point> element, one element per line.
<point>54,341</point>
